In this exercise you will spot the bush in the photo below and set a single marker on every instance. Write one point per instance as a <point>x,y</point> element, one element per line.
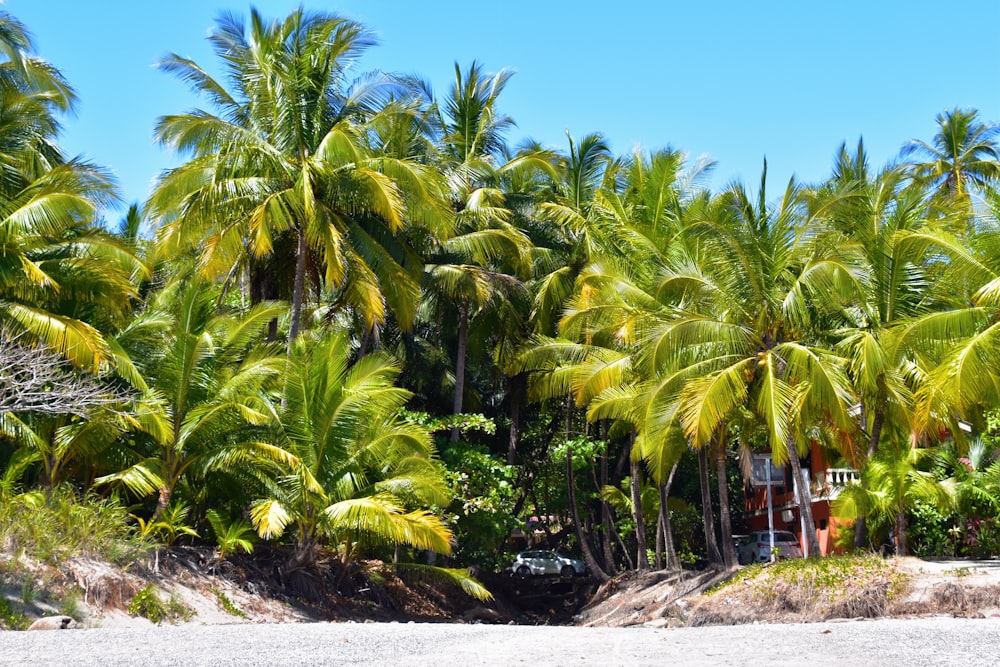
<point>227,604</point>
<point>148,604</point>
<point>480,514</point>
<point>930,533</point>
<point>10,618</point>
<point>55,527</point>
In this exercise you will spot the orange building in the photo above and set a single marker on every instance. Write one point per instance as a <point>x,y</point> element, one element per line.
<point>825,484</point>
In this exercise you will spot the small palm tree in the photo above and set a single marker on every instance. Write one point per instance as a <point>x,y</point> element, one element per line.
<point>356,473</point>
<point>206,390</point>
<point>894,481</point>
<point>231,536</point>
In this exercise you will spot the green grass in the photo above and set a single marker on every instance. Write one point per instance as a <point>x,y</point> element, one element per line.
<point>962,571</point>
<point>148,604</point>
<point>227,604</point>
<point>813,589</point>
<point>52,528</point>
<point>11,618</point>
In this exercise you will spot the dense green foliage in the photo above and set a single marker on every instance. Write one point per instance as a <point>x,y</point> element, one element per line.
<point>51,527</point>
<point>367,323</point>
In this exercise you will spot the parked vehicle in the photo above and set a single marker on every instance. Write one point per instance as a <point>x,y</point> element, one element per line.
<point>757,547</point>
<point>537,563</point>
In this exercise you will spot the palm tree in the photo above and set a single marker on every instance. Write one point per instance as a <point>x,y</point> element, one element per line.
<point>963,157</point>
<point>473,131</point>
<point>955,340</point>
<point>768,283</point>
<point>21,70</point>
<point>878,213</point>
<point>472,289</point>
<point>356,474</point>
<point>625,303</point>
<point>60,276</point>
<point>481,266</point>
<point>618,302</point>
<point>579,229</point>
<point>282,171</point>
<point>894,481</point>
<point>206,390</point>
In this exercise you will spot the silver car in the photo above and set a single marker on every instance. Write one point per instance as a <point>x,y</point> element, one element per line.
<point>756,547</point>
<point>533,563</point>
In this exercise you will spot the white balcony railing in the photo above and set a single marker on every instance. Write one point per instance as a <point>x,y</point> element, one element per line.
<point>837,479</point>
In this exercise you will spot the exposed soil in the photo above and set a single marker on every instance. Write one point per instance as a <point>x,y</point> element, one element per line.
<point>201,589</point>
<point>893,588</point>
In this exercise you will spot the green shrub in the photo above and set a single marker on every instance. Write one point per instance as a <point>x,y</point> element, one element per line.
<point>71,604</point>
<point>148,604</point>
<point>10,618</point>
<point>930,533</point>
<point>55,527</point>
<point>227,604</point>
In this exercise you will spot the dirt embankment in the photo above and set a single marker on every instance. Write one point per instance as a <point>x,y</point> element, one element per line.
<point>188,585</point>
<point>800,591</point>
<point>191,586</point>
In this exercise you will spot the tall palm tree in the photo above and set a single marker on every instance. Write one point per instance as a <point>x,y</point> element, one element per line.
<point>769,282</point>
<point>60,276</point>
<point>487,256</point>
<point>956,339</point>
<point>618,302</point>
<point>579,229</point>
<point>878,212</point>
<point>963,157</point>
<point>629,301</point>
<point>281,181</point>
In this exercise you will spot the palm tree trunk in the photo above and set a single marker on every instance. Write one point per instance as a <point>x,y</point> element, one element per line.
<point>162,501</point>
<point>805,498</point>
<point>463,334</point>
<point>672,561</point>
<point>588,554</point>
<point>901,532</point>
<point>629,563</point>
<point>658,560</point>
<point>725,520</point>
<point>514,396</point>
<point>861,523</point>
<point>642,558</point>
<point>262,288</point>
<point>365,341</point>
<point>708,518</point>
<point>606,523</point>
<point>299,287</point>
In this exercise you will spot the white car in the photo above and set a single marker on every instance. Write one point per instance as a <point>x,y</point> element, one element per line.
<point>756,547</point>
<point>533,563</point>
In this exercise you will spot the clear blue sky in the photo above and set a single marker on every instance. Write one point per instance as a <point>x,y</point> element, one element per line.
<point>735,80</point>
